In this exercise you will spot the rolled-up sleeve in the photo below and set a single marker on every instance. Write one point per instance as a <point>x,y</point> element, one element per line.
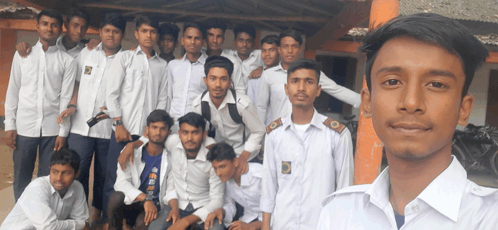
<point>12,96</point>
<point>66,94</point>
<point>344,166</point>
<point>216,190</point>
<point>340,92</point>
<point>254,124</point>
<point>164,100</point>
<point>113,85</point>
<point>229,207</point>
<point>270,185</point>
<point>263,98</point>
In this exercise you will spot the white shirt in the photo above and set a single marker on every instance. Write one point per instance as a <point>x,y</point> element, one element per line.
<point>230,132</point>
<point>74,51</point>
<point>300,172</point>
<point>129,180</point>
<point>40,88</point>
<point>253,62</point>
<point>300,129</point>
<point>135,87</point>
<point>93,65</point>
<point>449,202</point>
<point>253,87</point>
<point>237,82</point>
<point>41,207</point>
<point>248,195</point>
<point>193,180</point>
<point>272,92</point>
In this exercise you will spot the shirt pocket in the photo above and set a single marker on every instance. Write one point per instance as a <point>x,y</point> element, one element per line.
<point>133,78</point>
<point>285,166</point>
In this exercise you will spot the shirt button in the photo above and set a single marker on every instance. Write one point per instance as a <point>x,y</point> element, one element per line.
<point>477,189</point>
<point>415,208</point>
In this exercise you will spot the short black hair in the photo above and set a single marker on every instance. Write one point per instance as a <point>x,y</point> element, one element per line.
<point>51,13</point>
<point>271,39</point>
<point>169,29</point>
<point>196,25</point>
<point>77,12</point>
<point>193,119</point>
<point>66,156</point>
<point>305,64</point>
<point>218,61</point>
<point>144,19</point>
<point>246,29</point>
<point>433,29</point>
<point>216,24</point>
<point>114,19</point>
<point>220,152</point>
<point>291,33</point>
<point>160,115</point>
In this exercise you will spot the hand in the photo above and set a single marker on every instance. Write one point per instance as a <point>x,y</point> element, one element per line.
<point>256,73</point>
<point>121,134</point>
<point>218,213</point>
<point>174,216</point>
<point>23,49</point>
<point>126,155</point>
<point>239,225</point>
<point>66,113</point>
<point>11,138</point>
<point>103,116</point>
<point>59,143</point>
<point>150,212</point>
<point>243,165</point>
<point>92,44</point>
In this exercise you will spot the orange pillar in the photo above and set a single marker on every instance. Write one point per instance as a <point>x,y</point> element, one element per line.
<point>368,155</point>
<point>7,50</point>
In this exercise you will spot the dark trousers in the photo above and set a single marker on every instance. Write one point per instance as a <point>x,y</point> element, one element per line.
<point>86,147</point>
<point>161,224</point>
<point>24,157</point>
<point>118,211</point>
<point>112,162</point>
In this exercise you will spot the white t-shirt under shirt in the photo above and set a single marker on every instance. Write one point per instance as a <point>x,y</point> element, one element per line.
<point>300,129</point>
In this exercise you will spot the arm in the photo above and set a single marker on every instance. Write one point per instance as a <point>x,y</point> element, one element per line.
<point>163,101</point>
<point>343,161</point>
<point>252,122</point>
<point>123,184</point>
<point>216,190</point>
<point>113,85</point>
<point>229,208</point>
<point>66,94</point>
<point>169,87</point>
<point>266,221</point>
<point>263,98</point>
<point>12,100</point>
<point>270,183</point>
<point>80,208</point>
<point>342,93</point>
<point>237,81</point>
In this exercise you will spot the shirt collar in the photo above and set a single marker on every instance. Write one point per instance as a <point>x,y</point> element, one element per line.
<point>315,120</point>
<point>201,155</point>
<point>252,54</point>
<point>50,49</point>
<point>227,100</point>
<point>279,67</point>
<point>60,45</point>
<point>201,59</point>
<point>139,50</point>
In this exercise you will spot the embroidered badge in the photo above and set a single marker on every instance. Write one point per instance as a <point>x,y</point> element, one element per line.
<point>286,167</point>
<point>335,125</point>
<point>88,70</point>
<point>273,125</point>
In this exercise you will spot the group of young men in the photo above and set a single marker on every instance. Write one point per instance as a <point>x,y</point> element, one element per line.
<point>176,141</point>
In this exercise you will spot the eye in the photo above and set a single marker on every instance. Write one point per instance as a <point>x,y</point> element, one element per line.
<point>437,84</point>
<point>392,82</point>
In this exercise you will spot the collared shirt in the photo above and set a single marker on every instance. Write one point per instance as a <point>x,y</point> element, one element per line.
<point>253,87</point>
<point>135,87</point>
<point>300,172</point>
<point>248,195</point>
<point>237,83</point>
<point>230,132</point>
<point>272,92</point>
<point>253,62</point>
<point>193,180</point>
<point>450,201</point>
<point>41,207</point>
<point>92,67</point>
<point>40,88</point>
<point>186,84</point>
<point>74,51</point>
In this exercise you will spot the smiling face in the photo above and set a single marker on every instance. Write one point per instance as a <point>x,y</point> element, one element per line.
<point>76,28</point>
<point>302,88</point>
<point>269,54</point>
<point>48,28</point>
<point>415,101</point>
<point>111,36</point>
<point>215,38</point>
<point>289,50</point>
<point>244,44</point>
<point>225,169</point>
<point>192,40</point>
<point>146,36</point>
<point>217,82</point>
<point>61,177</point>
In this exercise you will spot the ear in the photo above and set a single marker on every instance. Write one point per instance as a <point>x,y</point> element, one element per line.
<point>286,89</point>
<point>169,132</point>
<point>465,109</point>
<point>136,34</point>
<point>279,51</point>
<point>236,162</point>
<point>100,34</point>
<point>301,47</point>
<point>318,90</point>
<point>77,174</point>
<point>146,132</point>
<point>205,80</point>
<point>366,103</point>
<point>204,135</point>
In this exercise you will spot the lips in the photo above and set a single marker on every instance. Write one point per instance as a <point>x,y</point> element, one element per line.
<point>411,128</point>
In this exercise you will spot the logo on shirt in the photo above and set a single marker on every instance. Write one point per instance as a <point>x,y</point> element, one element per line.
<point>88,70</point>
<point>286,167</point>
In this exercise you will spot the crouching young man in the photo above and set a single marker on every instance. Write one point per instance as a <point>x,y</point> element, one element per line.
<point>141,186</point>
<point>56,201</point>
<point>244,189</point>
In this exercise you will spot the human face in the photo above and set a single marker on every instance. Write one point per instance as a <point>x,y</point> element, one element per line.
<point>289,50</point>
<point>111,36</point>
<point>215,38</point>
<point>269,54</point>
<point>217,82</point>
<point>302,88</point>
<point>48,28</point>
<point>244,44</point>
<point>191,137</point>
<point>225,169</point>
<point>61,177</point>
<point>76,28</point>
<point>146,36</point>
<point>167,44</point>
<point>415,102</point>
<point>192,40</point>
<point>157,132</point>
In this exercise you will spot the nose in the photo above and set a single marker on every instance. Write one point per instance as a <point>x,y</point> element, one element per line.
<point>300,85</point>
<point>412,99</point>
<point>58,176</point>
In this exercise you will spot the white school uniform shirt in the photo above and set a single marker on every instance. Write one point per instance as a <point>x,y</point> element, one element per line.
<point>248,195</point>
<point>253,62</point>
<point>230,132</point>
<point>93,66</point>
<point>300,172</point>
<point>253,87</point>
<point>41,207</point>
<point>237,82</point>
<point>135,87</point>
<point>272,92</point>
<point>40,88</point>
<point>129,181</point>
<point>193,180</point>
<point>73,51</point>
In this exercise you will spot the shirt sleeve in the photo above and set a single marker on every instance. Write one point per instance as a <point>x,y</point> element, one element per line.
<point>163,101</point>
<point>66,94</point>
<point>216,190</point>
<point>237,80</point>
<point>80,64</point>
<point>252,122</point>
<point>171,190</point>
<point>324,220</point>
<point>341,93</point>
<point>270,185</point>
<point>264,97</point>
<point>343,156</point>
<point>169,88</point>
<point>229,207</point>
<point>123,184</point>
<point>79,212</point>
<point>12,96</point>
<point>113,85</point>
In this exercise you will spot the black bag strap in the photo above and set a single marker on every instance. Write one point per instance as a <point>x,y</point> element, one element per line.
<point>206,114</point>
<point>234,114</point>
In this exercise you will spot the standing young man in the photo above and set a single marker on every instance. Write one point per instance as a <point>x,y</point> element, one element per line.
<point>136,86</point>
<point>307,155</point>
<point>40,87</point>
<point>418,77</point>
<point>168,40</point>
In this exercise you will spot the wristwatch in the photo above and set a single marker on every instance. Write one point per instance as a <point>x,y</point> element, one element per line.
<point>148,197</point>
<point>117,123</point>
<point>71,105</point>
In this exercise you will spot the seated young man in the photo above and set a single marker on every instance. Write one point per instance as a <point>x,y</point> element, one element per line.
<point>418,76</point>
<point>244,189</point>
<point>141,187</point>
<point>55,201</point>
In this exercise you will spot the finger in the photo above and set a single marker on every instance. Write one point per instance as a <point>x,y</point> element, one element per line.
<point>130,158</point>
<point>168,218</point>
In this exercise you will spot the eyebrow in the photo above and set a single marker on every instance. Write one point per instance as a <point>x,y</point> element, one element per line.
<point>388,69</point>
<point>432,72</point>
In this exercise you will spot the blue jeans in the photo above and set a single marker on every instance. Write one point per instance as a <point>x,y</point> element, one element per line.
<point>86,147</point>
<point>24,157</point>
